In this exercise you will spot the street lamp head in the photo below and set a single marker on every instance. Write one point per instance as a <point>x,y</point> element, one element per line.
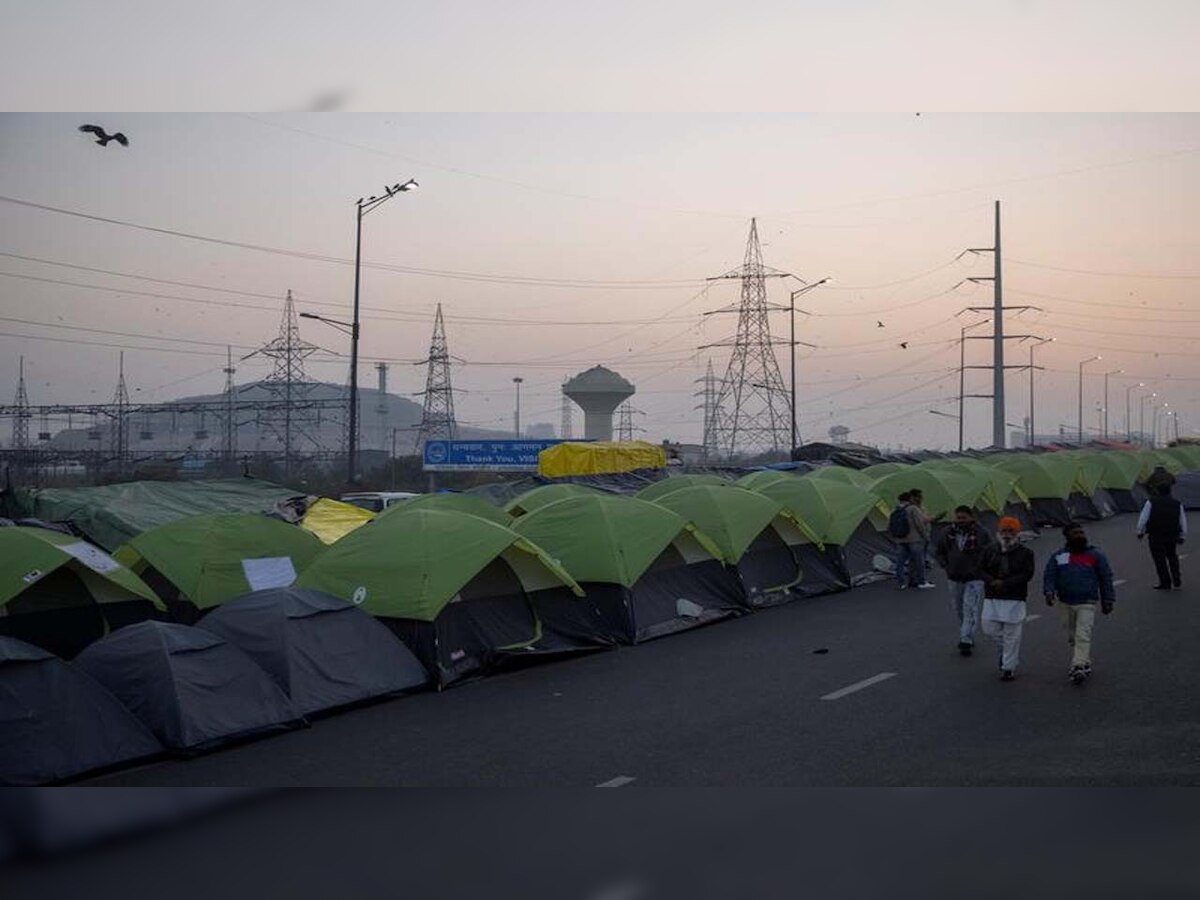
<point>408,185</point>
<point>308,315</point>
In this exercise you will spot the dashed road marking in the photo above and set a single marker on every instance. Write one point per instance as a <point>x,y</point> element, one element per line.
<point>1119,581</point>
<point>619,781</point>
<point>859,685</point>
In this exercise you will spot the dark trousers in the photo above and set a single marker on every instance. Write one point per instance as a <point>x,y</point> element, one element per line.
<point>1166,559</point>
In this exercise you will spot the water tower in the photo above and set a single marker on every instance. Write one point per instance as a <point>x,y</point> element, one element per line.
<point>598,392</point>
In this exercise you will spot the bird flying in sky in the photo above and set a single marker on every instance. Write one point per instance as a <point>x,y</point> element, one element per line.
<point>878,323</point>
<point>103,137</point>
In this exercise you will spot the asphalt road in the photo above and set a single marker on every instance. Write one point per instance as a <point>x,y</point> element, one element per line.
<point>740,703</point>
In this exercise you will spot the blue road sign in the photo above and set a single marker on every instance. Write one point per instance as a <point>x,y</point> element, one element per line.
<point>483,456</point>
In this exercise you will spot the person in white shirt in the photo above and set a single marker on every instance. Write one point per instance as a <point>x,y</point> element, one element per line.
<point>1164,521</point>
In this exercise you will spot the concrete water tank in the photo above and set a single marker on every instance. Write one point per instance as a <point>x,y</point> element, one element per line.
<point>598,392</point>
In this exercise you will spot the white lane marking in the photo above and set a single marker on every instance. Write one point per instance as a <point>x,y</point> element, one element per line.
<point>1032,617</point>
<point>619,781</point>
<point>1118,582</point>
<point>859,685</point>
<point>1183,556</point>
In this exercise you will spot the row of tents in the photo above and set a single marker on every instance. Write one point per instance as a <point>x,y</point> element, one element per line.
<point>197,627</point>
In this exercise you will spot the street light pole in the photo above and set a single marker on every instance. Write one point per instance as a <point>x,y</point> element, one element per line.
<point>1154,424</point>
<point>517,415</point>
<point>1142,417</point>
<point>362,207</point>
<point>1032,372</point>
<point>792,352</point>
<point>1128,417</point>
<point>1081,365</point>
<point>1106,374</point>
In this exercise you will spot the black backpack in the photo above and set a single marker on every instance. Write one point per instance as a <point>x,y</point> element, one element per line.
<point>898,523</point>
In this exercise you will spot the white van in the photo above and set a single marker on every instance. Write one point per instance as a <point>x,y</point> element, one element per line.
<point>376,501</point>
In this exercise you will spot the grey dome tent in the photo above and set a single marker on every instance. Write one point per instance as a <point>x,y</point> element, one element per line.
<point>57,723</point>
<point>193,689</point>
<point>323,651</point>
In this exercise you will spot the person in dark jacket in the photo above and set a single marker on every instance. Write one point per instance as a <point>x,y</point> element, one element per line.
<point>1008,567</point>
<point>1164,521</point>
<point>1160,481</point>
<point>960,553</point>
<point>1076,577</point>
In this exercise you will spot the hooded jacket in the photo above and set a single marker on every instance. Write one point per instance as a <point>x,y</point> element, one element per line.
<point>1079,576</point>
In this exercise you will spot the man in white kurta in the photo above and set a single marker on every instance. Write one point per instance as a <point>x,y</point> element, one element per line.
<point>1008,568</point>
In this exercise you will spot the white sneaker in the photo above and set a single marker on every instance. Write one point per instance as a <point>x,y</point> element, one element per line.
<point>926,585</point>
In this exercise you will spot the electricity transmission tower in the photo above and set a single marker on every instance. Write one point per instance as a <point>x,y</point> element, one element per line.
<point>437,418</point>
<point>119,441</point>
<point>753,408</point>
<point>20,425</point>
<point>625,427</point>
<point>290,418</point>
<point>708,392</point>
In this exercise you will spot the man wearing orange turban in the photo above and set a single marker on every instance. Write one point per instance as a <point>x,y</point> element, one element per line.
<point>1008,568</point>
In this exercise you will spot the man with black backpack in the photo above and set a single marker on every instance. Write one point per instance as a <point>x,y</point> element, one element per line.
<point>909,528</point>
<point>1165,522</point>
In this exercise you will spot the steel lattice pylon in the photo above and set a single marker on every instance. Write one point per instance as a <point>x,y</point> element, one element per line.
<point>709,391</point>
<point>20,423</point>
<point>751,414</point>
<point>119,427</point>
<point>437,418</point>
<point>291,419</point>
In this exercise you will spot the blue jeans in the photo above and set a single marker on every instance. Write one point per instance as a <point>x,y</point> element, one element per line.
<point>967,600</point>
<point>910,559</point>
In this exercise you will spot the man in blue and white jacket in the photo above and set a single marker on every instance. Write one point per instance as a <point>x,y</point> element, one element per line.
<point>1078,576</point>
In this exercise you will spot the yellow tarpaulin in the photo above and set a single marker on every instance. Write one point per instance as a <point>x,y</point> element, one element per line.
<point>330,520</point>
<point>599,458</point>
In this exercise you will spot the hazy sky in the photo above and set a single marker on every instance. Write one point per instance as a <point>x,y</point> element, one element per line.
<point>509,203</point>
<point>617,55</point>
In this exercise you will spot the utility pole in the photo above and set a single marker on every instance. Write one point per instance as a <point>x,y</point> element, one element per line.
<point>381,407</point>
<point>1128,416</point>
<point>792,354</point>
<point>998,337</point>
<point>1081,365</point>
<point>962,368</point>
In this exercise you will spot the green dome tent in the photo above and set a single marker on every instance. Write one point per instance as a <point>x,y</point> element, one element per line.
<point>1119,472</point>
<point>453,586</point>
<point>648,572</point>
<point>677,482</point>
<point>1049,484</point>
<point>61,593</point>
<point>454,502</point>
<point>875,472</point>
<point>840,473</point>
<point>943,489</point>
<point>845,518</point>
<point>756,535</point>
<point>199,562</point>
<point>545,494</point>
<point>755,480</point>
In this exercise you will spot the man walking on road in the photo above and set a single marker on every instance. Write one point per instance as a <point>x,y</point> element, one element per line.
<point>909,528</point>
<point>1077,576</point>
<point>960,552</point>
<point>1008,567</point>
<point>1160,481</point>
<point>1165,522</point>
